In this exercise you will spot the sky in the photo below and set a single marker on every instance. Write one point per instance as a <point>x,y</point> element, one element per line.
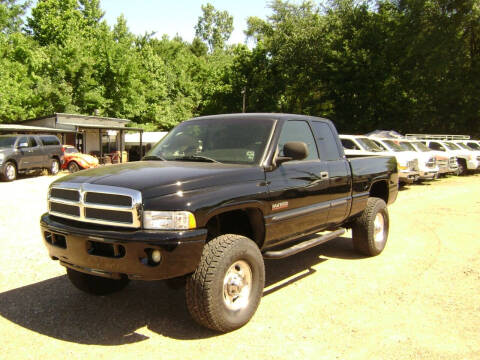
<point>173,17</point>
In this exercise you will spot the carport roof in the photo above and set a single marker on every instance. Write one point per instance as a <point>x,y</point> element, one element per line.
<point>107,127</point>
<point>38,129</point>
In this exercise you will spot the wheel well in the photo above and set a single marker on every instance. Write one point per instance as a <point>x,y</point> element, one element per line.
<point>247,222</point>
<point>12,161</point>
<point>380,190</point>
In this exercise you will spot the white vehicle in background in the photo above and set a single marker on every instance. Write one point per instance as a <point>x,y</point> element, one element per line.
<point>431,163</point>
<point>465,159</point>
<point>473,148</point>
<point>358,145</point>
<point>409,163</point>
<point>446,164</point>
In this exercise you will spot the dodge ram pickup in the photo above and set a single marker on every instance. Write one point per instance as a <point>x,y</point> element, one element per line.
<point>211,201</point>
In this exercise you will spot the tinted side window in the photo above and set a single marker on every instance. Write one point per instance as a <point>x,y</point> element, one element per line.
<point>50,140</point>
<point>298,131</point>
<point>349,144</point>
<point>327,146</point>
<point>32,142</point>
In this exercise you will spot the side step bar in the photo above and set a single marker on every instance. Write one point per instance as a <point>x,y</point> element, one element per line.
<point>307,244</point>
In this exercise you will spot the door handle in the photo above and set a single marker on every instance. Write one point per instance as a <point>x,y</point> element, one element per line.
<point>324,175</point>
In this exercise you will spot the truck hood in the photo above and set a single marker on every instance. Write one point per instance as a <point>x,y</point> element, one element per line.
<point>157,178</point>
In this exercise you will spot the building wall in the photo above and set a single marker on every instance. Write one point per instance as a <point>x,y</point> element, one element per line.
<point>91,141</point>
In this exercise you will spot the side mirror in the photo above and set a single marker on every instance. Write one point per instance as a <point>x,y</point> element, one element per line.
<point>22,145</point>
<point>293,150</point>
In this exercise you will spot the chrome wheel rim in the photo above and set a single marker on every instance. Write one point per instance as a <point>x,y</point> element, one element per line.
<point>10,172</point>
<point>54,167</point>
<point>237,286</point>
<point>379,230</point>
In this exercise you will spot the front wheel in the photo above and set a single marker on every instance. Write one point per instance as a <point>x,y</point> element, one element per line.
<point>225,290</point>
<point>54,167</point>
<point>370,230</point>
<point>9,172</point>
<point>73,167</point>
<point>95,285</point>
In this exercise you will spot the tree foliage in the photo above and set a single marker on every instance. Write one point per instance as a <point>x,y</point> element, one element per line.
<point>409,65</point>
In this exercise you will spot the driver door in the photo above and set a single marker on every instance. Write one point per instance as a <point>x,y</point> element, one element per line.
<point>298,200</point>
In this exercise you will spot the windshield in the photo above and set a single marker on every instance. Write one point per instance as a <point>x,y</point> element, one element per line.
<point>407,146</point>
<point>7,141</point>
<point>70,150</point>
<point>421,146</point>
<point>393,145</point>
<point>474,146</point>
<point>451,146</point>
<point>232,140</point>
<point>369,144</point>
<point>465,146</point>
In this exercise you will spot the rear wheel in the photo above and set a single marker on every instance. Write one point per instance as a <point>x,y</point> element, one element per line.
<point>9,171</point>
<point>370,230</point>
<point>54,167</point>
<point>95,285</point>
<point>225,290</point>
<point>73,167</point>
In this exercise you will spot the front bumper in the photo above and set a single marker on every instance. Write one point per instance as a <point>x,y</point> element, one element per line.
<point>472,164</point>
<point>407,176</point>
<point>428,175</point>
<point>112,253</point>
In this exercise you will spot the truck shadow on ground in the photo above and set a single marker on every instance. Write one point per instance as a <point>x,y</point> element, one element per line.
<point>55,308</point>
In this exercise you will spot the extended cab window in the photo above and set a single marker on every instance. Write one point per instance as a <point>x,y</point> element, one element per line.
<point>298,131</point>
<point>327,146</point>
<point>50,140</point>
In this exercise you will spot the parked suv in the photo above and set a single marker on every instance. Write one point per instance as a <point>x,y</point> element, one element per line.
<point>24,153</point>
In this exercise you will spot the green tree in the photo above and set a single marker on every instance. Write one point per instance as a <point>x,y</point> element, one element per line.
<point>214,27</point>
<point>11,13</point>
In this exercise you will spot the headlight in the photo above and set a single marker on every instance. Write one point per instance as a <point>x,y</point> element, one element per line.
<point>169,220</point>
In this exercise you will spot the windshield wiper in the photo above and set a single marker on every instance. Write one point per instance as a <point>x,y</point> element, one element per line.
<point>196,158</point>
<point>153,157</point>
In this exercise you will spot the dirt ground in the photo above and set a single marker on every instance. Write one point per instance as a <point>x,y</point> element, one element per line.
<point>420,299</point>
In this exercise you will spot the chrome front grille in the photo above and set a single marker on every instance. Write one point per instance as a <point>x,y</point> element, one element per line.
<point>413,165</point>
<point>452,163</point>
<point>431,163</point>
<point>98,204</point>
<point>442,164</point>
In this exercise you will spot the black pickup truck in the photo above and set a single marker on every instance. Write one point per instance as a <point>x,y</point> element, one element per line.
<point>25,153</point>
<point>209,202</point>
